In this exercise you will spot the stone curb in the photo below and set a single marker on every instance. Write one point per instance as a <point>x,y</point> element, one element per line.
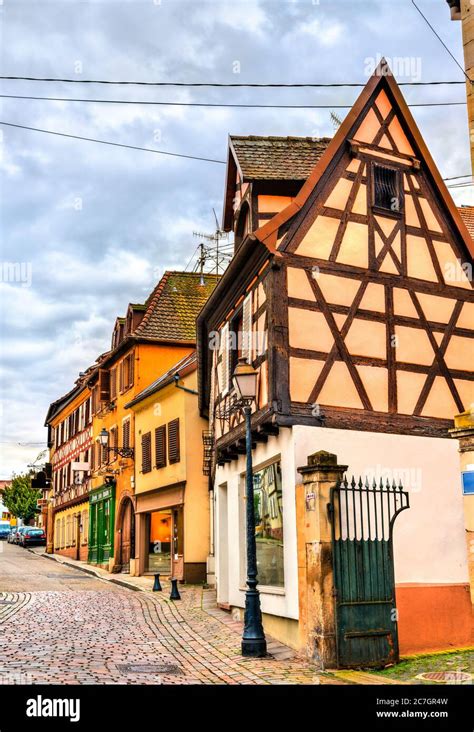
<point>94,573</point>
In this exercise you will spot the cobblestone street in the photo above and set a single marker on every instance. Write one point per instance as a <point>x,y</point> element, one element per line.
<point>61,626</point>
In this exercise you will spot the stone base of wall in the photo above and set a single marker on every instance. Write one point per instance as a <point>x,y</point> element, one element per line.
<point>284,630</point>
<point>194,573</point>
<point>70,552</point>
<point>433,617</point>
<point>470,560</point>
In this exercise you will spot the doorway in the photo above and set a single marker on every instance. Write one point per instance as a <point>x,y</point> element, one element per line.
<point>128,536</point>
<point>158,531</point>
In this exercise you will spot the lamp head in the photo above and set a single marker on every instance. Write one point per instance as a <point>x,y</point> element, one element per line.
<point>244,379</point>
<point>104,437</point>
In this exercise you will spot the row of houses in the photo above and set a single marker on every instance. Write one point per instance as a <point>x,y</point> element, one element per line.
<point>350,295</point>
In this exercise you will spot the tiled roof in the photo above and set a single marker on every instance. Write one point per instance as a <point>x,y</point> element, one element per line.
<point>173,306</point>
<point>467,215</point>
<point>278,158</point>
<point>183,367</point>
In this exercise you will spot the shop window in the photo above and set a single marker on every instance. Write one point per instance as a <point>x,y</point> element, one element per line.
<point>146,452</point>
<point>268,503</point>
<point>173,441</point>
<point>160,446</point>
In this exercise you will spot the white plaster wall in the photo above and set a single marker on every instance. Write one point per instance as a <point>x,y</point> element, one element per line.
<point>274,601</point>
<point>429,537</point>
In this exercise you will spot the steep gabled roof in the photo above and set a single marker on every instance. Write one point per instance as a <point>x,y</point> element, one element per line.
<point>382,78</point>
<point>263,158</point>
<point>277,158</point>
<point>173,306</point>
<point>467,215</point>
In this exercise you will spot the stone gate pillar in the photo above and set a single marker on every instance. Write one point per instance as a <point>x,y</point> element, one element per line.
<point>315,553</point>
<point>464,432</point>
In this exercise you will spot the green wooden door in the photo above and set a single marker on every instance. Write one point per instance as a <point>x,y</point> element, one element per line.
<point>365,611</point>
<point>102,516</point>
<point>100,532</point>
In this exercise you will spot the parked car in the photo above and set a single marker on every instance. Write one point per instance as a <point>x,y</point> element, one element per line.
<point>4,530</point>
<point>18,533</point>
<point>12,535</point>
<point>32,535</point>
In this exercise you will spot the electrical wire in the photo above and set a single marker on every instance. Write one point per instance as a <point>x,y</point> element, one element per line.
<point>441,41</point>
<point>213,104</point>
<point>222,84</point>
<point>114,144</point>
<point>152,150</point>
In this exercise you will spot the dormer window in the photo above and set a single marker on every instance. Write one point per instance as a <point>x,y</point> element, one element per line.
<point>387,190</point>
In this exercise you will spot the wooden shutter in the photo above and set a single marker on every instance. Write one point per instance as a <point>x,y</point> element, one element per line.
<point>104,385</point>
<point>114,441</point>
<point>212,390</point>
<point>126,433</point>
<point>160,446</point>
<point>247,328</point>
<point>224,366</point>
<point>113,384</point>
<point>173,441</point>
<point>120,368</point>
<point>131,364</point>
<point>146,452</point>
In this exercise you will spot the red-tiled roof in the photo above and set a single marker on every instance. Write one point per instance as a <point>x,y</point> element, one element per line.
<point>277,158</point>
<point>173,306</point>
<point>467,215</point>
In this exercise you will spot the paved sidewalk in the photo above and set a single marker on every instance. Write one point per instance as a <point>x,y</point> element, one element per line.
<point>139,637</point>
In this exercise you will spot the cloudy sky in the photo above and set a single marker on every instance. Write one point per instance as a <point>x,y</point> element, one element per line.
<point>92,227</point>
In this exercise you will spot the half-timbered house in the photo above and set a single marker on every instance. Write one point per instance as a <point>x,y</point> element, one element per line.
<point>351,294</point>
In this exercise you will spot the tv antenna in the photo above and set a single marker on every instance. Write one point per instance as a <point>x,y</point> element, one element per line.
<point>214,249</point>
<point>336,121</point>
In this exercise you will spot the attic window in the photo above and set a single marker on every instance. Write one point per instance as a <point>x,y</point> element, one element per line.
<point>387,194</point>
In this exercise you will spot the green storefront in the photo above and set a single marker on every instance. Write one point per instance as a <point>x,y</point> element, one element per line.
<point>101,524</point>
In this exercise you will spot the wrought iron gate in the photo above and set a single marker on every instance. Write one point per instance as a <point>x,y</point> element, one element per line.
<point>362,519</point>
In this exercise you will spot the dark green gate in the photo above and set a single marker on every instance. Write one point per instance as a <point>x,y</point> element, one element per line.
<point>362,519</point>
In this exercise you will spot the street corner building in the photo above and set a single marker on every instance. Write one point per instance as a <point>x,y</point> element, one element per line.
<point>350,292</point>
<point>93,453</point>
<point>172,496</point>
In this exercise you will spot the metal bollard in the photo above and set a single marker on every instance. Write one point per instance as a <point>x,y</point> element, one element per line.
<point>174,590</point>
<point>157,586</point>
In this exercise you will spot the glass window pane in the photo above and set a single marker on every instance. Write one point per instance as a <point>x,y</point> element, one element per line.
<point>268,503</point>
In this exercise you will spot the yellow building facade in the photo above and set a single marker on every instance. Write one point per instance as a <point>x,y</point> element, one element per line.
<point>172,496</point>
<point>147,342</point>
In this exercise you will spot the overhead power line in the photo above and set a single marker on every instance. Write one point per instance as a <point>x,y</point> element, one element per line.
<point>212,104</point>
<point>158,152</point>
<point>114,144</point>
<point>441,41</point>
<point>221,84</point>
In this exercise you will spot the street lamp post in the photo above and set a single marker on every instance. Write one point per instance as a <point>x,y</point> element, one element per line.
<point>253,638</point>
